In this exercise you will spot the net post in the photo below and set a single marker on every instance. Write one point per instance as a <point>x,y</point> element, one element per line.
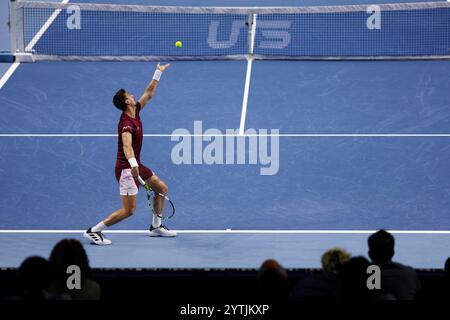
<point>12,25</point>
<point>20,29</point>
<point>17,31</point>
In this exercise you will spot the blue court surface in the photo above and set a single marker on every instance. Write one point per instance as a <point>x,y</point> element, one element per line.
<point>362,145</point>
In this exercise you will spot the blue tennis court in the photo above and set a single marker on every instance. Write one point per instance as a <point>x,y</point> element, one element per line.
<point>352,147</point>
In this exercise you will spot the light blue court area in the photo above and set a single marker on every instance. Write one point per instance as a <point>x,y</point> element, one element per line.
<point>223,250</point>
<point>379,97</point>
<point>361,145</point>
<point>47,106</point>
<point>322,183</point>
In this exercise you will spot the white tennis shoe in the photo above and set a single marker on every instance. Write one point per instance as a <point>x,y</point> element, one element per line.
<point>161,231</point>
<point>96,237</point>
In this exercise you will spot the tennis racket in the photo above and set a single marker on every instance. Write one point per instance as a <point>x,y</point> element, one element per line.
<point>167,209</point>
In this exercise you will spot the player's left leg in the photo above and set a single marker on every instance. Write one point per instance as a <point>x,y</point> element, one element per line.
<point>128,194</point>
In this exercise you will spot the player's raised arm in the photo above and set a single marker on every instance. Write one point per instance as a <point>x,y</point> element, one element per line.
<point>151,88</point>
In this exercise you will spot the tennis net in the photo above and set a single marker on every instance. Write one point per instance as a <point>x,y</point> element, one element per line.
<point>70,31</point>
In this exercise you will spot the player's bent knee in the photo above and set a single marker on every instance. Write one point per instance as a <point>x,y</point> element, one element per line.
<point>129,211</point>
<point>158,185</point>
<point>164,189</point>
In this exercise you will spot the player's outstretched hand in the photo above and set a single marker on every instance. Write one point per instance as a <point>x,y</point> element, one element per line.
<point>162,67</point>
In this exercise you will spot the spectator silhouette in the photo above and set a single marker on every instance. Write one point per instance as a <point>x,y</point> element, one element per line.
<point>354,280</point>
<point>322,286</point>
<point>272,281</point>
<point>446,283</point>
<point>447,268</point>
<point>66,253</point>
<point>397,280</point>
<point>34,279</point>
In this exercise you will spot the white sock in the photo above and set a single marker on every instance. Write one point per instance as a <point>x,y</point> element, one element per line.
<point>156,221</point>
<point>99,227</point>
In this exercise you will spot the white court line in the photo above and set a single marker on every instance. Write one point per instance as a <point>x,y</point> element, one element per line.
<point>248,77</point>
<point>245,99</point>
<point>8,73</point>
<point>241,231</point>
<point>293,135</point>
<point>30,46</point>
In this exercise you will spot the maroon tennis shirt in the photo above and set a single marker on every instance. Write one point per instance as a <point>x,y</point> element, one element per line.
<point>133,126</point>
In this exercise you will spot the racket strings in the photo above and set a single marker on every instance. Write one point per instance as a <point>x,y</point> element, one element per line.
<point>160,204</point>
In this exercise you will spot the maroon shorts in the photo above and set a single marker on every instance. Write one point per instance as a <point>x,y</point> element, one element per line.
<point>144,172</point>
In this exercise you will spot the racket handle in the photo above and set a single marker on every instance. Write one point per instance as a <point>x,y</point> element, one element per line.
<point>141,181</point>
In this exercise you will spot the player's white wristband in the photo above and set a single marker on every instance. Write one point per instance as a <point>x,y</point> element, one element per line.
<point>133,163</point>
<point>157,75</point>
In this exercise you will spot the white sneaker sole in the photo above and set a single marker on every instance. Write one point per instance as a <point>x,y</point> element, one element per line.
<point>86,235</point>
<point>163,235</point>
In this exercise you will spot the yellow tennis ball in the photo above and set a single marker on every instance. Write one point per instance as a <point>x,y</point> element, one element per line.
<point>178,44</point>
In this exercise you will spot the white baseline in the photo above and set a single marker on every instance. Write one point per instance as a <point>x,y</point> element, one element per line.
<point>241,231</point>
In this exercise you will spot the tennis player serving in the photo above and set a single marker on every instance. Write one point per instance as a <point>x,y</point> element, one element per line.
<point>129,166</point>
